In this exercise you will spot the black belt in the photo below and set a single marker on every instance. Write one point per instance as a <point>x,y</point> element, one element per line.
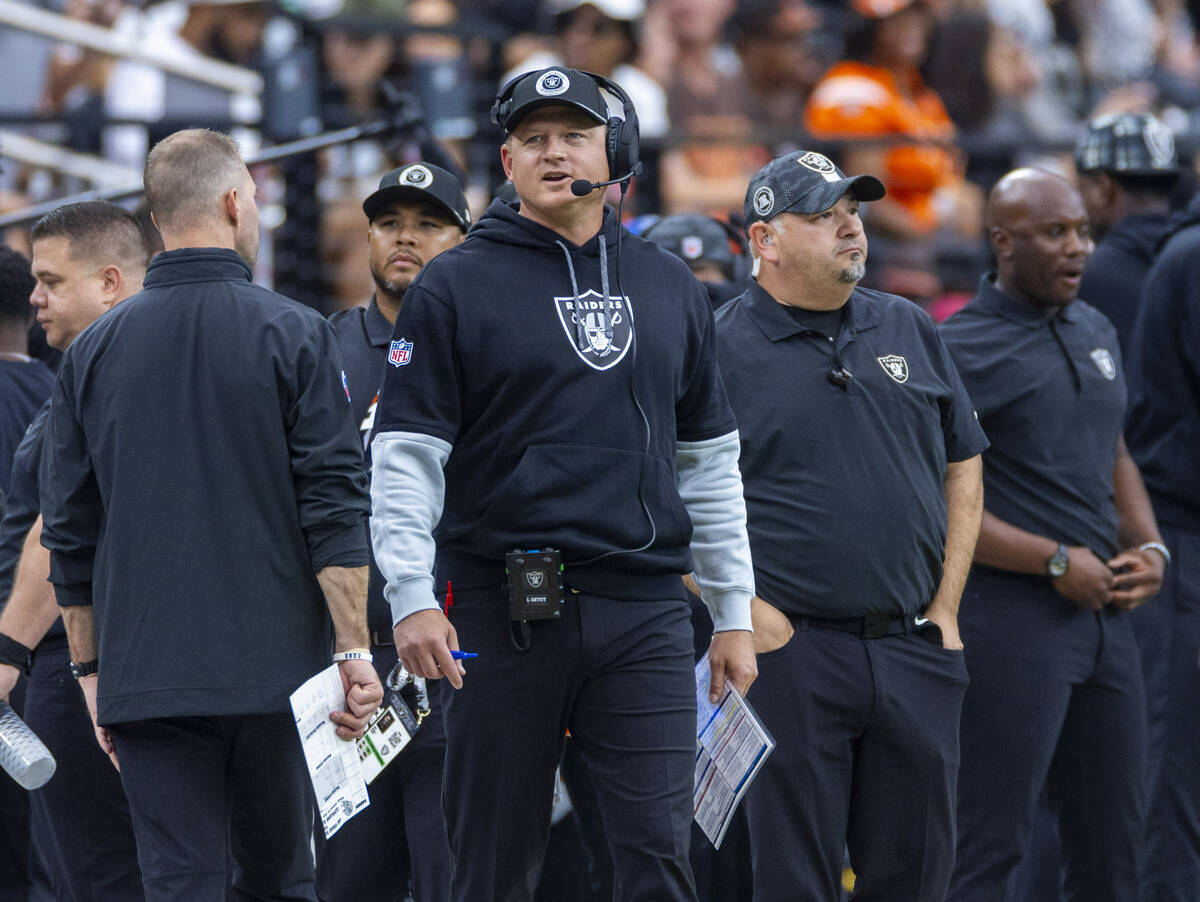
<point>382,637</point>
<point>872,626</point>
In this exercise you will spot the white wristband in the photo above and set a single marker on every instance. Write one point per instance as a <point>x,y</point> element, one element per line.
<point>1159,547</point>
<point>354,654</point>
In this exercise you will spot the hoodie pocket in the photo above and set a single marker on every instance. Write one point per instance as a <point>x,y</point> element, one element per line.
<point>585,500</point>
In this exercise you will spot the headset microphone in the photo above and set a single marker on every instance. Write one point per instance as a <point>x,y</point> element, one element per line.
<point>582,187</point>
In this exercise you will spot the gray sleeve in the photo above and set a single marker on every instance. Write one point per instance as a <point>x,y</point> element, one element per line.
<point>408,490</point>
<point>710,484</point>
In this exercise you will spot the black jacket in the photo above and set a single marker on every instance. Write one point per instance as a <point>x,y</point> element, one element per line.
<point>201,465</point>
<point>1163,423</point>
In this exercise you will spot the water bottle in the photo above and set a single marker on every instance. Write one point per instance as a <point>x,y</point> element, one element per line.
<point>22,754</point>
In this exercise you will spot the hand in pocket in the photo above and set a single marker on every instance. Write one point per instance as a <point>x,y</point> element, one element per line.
<point>772,629</point>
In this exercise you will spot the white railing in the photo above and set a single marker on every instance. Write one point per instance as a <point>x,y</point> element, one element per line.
<point>44,155</point>
<point>207,71</point>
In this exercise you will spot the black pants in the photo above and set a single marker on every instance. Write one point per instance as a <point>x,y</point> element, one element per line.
<point>1168,633</point>
<point>81,816</point>
<point>617,674</point>
<point>866,757</point>
<point>398,844</point>
<point>199,787</point>
<point>1056,702</point>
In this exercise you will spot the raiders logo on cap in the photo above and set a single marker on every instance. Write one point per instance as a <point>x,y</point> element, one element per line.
<point>416,176</point>
<point>1160,142</point>
<point>821,165</point>
<point>764,200</point>
<point>552,83</point>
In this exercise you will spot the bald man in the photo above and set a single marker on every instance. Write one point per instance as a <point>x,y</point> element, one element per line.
<point>1068,547</point>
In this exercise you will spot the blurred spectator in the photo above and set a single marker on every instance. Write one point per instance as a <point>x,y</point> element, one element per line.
<point>877,92</point>
<point>984,75</point>
<point>875,96</point>
<point>774,44</point>
<point>601,36</point>
<point>709,163</point>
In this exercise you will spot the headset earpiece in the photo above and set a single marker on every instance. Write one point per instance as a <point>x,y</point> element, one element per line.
<point>622,134</point>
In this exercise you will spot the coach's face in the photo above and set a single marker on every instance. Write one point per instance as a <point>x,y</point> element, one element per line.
<point>549,149</point>
<point>69,294</point>
<point>403,237</point>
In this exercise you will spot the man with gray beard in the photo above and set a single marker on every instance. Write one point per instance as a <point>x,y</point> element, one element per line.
<point>861,471</point>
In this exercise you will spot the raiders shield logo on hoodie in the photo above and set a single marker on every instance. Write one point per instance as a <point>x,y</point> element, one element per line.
<point>599,332</point>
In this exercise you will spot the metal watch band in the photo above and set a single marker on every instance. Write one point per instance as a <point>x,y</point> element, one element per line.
<point>1159,547</point>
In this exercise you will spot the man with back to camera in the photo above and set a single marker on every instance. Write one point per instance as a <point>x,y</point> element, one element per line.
<point>860,460</point>
<point>504,420</point>
<point>418,211</point>
<point>1127,172</point>
<point>204,502</point>
<point>1162,426</point>
<point>1068,546</point>
<point>86,258</point>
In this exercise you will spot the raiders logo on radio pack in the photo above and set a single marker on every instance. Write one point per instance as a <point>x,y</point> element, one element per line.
<point>1105,363</point>
<point>400,352</point>
<point>601,343</point>
<point>895,366</point>
<point>552,84</point>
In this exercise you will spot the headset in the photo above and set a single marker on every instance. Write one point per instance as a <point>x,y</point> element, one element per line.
<point>622,142</point>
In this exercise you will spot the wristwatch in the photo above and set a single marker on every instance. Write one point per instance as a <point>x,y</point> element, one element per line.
<point>87,668</point>
<point>1056,564</point>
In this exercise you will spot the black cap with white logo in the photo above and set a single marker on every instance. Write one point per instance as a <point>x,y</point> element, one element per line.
<point>421,182</point>
<point>803,182</point>
<point>694,238</point>
<point>1129,143</point>
<point>547,87</point>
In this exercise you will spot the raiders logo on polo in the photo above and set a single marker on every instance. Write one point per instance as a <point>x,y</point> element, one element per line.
<point>895,366</point>
<point>416,176</point>
<point>764,200</point>
<point>535,578</point>
<point>585,322</point>
<point>552,84</point>
<point>1105,363</point>
<point>821,165</point>
<point>692,247</point>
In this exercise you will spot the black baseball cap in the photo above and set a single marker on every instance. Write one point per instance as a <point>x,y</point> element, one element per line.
<point>548,87</point>
<point>694,238</point>
<point>1128,143</point>
<point>803,182</point>
<point>421,181</point>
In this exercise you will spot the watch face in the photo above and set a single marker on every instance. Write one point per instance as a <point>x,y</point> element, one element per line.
<point>1057,565</point>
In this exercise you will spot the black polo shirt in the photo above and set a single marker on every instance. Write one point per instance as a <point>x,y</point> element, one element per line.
<point>844,486</point>
<point>1049,389</point>
<point>364,335</point>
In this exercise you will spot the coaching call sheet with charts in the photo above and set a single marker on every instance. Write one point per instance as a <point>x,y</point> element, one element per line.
<point>333,763</point>
<point>731,746</point>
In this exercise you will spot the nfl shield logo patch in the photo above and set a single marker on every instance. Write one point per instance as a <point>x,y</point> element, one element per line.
<point>400,352</point>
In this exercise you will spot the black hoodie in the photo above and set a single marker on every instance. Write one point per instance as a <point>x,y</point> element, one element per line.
<point>563,429</point>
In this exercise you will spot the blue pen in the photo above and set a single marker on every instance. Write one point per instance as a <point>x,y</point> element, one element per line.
<point>461,655</point>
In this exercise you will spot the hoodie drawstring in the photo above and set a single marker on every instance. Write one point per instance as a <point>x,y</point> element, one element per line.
<point>580,331</point>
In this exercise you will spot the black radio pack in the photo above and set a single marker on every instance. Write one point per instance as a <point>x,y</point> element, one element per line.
<point>535,584</point>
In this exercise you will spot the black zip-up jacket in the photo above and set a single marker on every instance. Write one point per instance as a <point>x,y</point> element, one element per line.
<point>201,465</point>
<point>1162,426</point>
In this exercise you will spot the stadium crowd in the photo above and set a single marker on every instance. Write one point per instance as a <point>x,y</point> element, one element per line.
<point>916,295</point>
